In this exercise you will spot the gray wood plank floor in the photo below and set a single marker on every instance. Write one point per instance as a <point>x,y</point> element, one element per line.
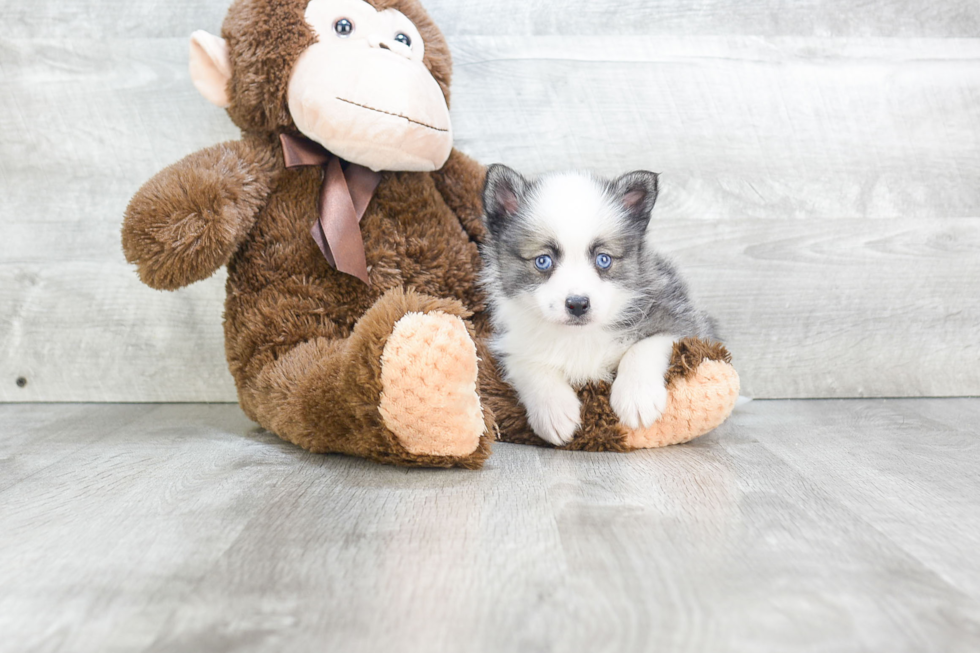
<point>817,526</point>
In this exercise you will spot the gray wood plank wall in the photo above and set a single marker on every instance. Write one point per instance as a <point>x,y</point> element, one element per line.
<point>820,159</point>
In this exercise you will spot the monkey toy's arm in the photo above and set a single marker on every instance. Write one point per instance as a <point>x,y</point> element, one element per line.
<point>188,220</point>
<point>460,182</point>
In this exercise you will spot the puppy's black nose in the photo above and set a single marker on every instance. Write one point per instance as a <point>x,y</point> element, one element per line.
<point>577,306</point>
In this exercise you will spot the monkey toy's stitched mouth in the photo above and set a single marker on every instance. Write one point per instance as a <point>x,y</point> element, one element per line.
<point>397,115</point>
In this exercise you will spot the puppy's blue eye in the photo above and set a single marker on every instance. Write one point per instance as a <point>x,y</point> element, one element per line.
<point>603,261</point>
<point>404,39</point>
<point>543,263</point>
<point>343,27</point>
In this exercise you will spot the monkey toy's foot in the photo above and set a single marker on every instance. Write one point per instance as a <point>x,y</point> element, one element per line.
<point>429,397</point>
<point>702,389</point>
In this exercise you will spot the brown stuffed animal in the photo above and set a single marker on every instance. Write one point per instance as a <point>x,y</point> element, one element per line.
<point>349,225</point>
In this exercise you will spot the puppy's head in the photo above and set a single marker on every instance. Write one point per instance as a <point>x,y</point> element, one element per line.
<point>567,246</point>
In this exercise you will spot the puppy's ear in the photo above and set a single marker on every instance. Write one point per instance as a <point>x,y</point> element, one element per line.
<point>503,196</point>
<point>637,193</point>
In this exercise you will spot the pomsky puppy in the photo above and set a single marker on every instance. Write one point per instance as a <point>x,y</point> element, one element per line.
<point>577,295</point>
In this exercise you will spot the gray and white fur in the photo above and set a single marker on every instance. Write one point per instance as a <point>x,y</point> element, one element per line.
<point>577,294</point>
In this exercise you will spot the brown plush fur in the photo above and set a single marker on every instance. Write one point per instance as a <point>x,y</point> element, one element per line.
<point>283,295</point>
<point>189,220</point>
<point>690,353</point>
<point>303,341</point>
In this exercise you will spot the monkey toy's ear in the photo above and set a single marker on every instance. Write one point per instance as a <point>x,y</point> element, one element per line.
<point>211,67</point>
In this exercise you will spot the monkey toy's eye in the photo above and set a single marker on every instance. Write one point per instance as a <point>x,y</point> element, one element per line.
<point>404,39</point>
<point>343,27</point>
<point>543,263</point>
<point>603,261</point>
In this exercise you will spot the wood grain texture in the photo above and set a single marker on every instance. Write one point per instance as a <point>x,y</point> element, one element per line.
<point>799,526</point>
<point>741,127</point>
<point>921,485</point>
<point>849,18</point>
<point>104,19</point>
<point>825,308</point>
<point>820,192</point>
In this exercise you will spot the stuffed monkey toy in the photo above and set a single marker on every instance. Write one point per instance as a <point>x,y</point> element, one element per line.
<point>350,226</point>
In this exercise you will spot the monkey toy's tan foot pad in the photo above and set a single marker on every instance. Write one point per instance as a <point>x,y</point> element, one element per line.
<point>428,377</point>
<point>696,403</point>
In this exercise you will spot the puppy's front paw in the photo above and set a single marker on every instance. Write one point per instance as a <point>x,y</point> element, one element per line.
<point>639,401</point>
<point>556,417</point>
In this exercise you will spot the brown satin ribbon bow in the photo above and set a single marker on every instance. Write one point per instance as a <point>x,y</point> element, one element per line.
<point>344,197</point>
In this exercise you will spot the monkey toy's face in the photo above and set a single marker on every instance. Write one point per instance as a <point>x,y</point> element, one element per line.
<point>363,92</point>
<point>362,89</point>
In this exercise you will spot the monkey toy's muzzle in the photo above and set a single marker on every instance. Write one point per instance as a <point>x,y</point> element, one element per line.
<point>372,107</point>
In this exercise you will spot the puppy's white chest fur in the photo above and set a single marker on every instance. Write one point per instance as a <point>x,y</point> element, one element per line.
<point>578,354</point>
